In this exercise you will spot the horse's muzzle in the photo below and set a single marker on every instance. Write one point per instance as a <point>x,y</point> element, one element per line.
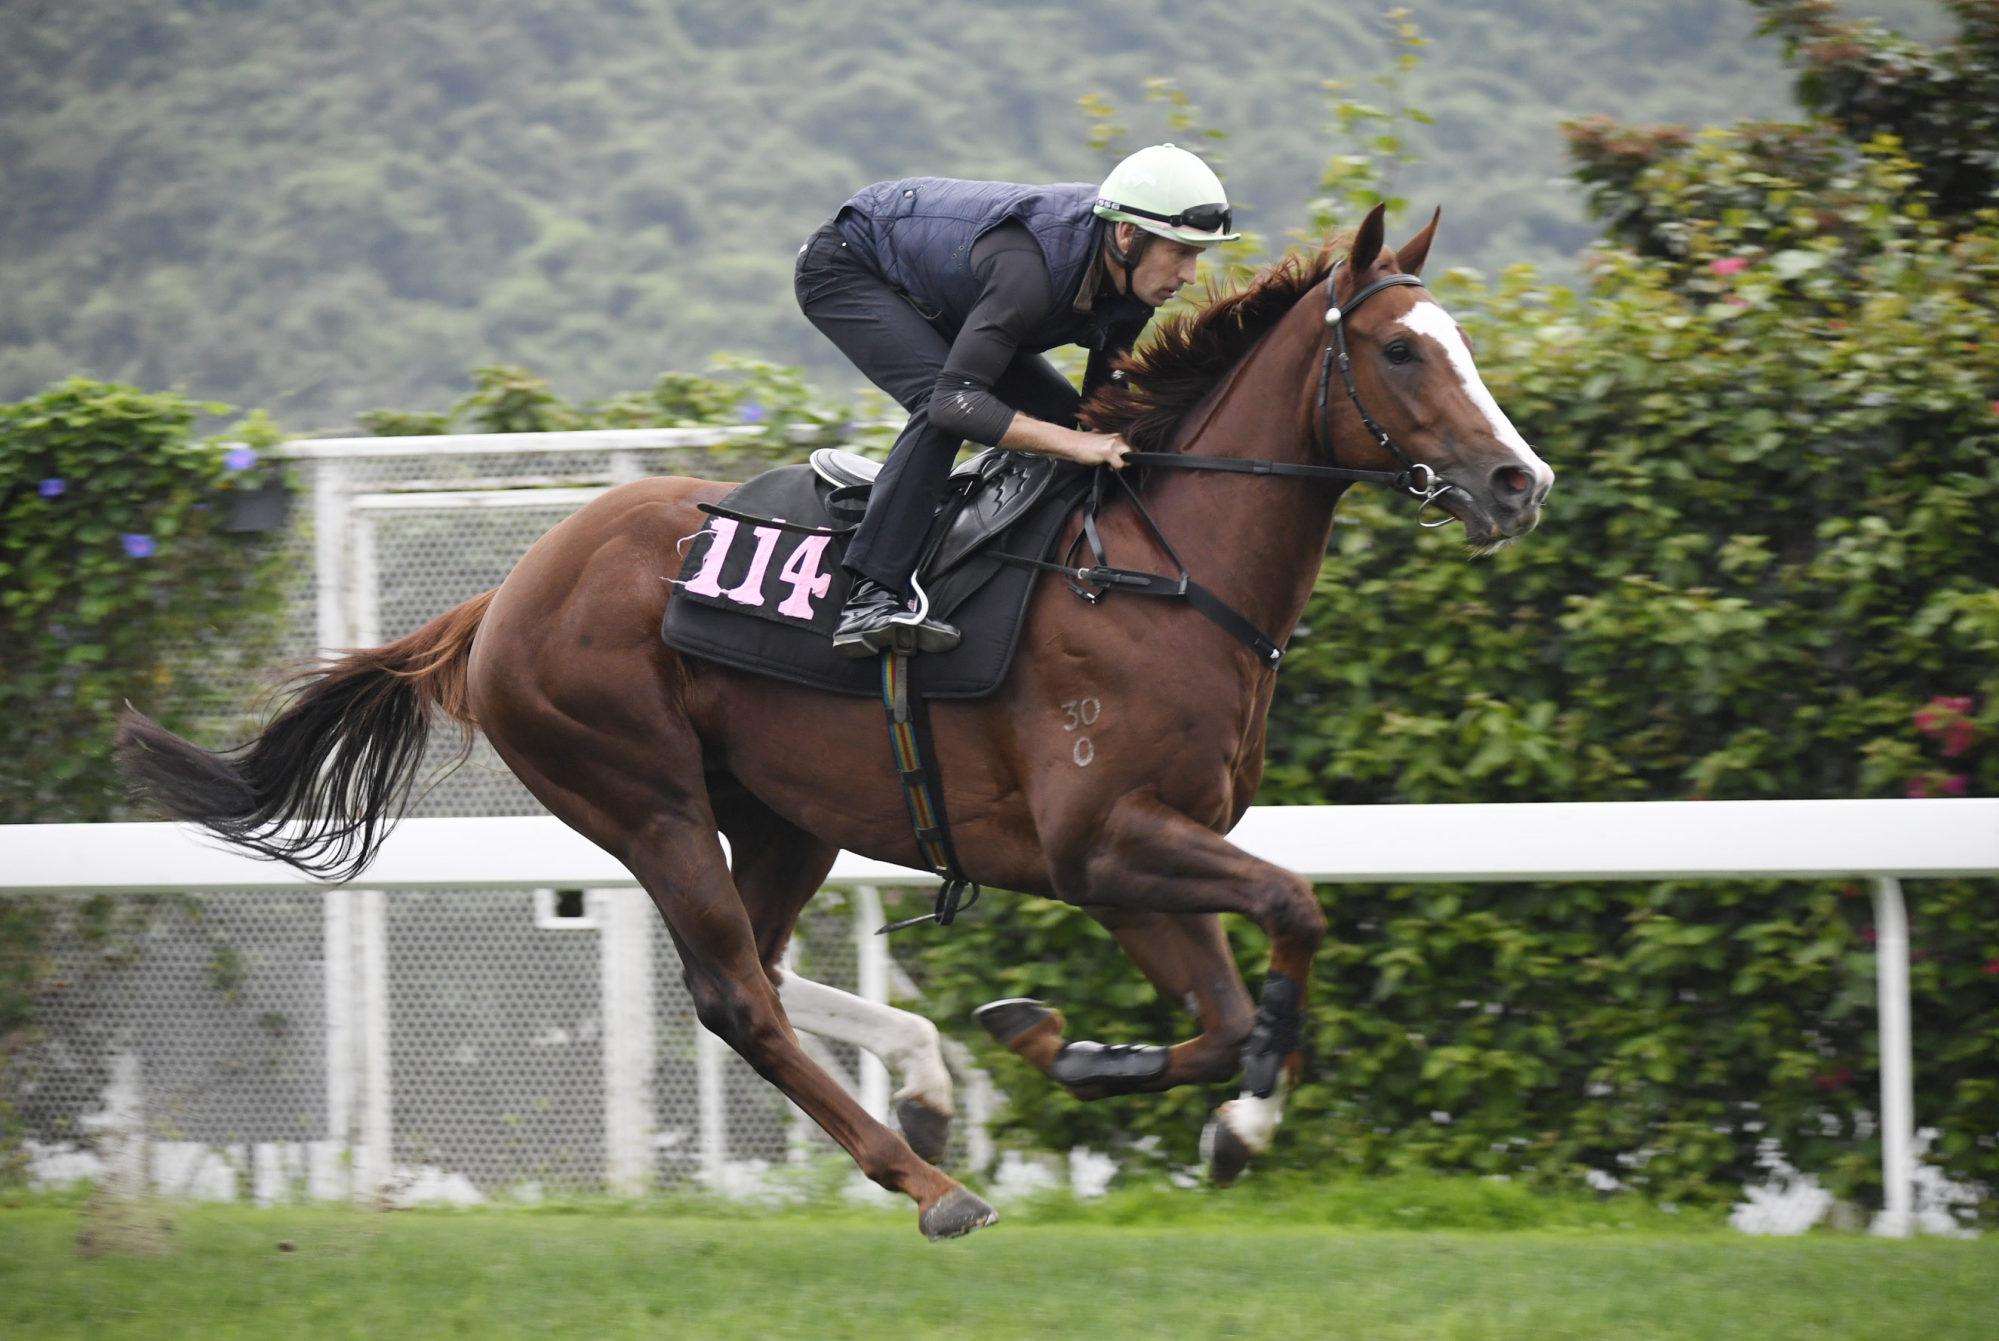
<point>1504,504</point>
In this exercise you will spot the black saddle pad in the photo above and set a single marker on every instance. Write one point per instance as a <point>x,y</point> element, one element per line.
<point>765,597</point>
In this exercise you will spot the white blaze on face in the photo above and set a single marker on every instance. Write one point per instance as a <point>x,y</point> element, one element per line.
<point>1427,318</point>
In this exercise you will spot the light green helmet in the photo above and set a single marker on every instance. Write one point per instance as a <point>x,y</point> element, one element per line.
<point>1169,192</point>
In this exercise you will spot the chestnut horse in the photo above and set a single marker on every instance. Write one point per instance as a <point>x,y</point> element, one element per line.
<point>652,755</point>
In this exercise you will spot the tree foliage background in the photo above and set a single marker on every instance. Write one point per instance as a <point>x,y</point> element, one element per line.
<point>322,206</point>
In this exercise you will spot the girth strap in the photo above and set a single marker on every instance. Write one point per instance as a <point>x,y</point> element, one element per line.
<point>923,792</point>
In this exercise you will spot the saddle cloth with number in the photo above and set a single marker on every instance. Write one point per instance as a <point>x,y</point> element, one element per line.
<point>761,585</point>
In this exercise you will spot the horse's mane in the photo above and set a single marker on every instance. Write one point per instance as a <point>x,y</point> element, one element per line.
<point>1191,352</point>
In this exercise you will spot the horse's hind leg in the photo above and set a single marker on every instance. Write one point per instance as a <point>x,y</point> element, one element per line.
<point>735,998</point>
<point>1186,956</point>
<point>659,822</point>
<point>777,869</point>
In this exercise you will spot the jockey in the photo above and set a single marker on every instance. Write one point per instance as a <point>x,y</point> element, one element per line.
<point>945,293</point>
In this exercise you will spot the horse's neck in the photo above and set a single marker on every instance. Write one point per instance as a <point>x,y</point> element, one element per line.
<point>1255,540</point>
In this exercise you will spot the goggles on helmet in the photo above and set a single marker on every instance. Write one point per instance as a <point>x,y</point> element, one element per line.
<point>1203,218</point>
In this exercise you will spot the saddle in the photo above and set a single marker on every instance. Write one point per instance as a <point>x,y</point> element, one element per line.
<point>761,585</point>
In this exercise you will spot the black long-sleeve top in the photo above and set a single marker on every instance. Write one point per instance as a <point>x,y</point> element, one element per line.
<point>1017,312</point>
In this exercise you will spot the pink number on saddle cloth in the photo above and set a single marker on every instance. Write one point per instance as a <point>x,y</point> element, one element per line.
<point>801,572</point>
<point>750,590</point>
<point>708,582</point>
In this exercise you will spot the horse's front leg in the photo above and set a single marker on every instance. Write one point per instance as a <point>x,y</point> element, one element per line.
<point>1148,857</point>
<point>1186,957</point>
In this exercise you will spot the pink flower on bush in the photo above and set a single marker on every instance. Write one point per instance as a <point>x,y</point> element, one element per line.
<point>1992,967</point>
<point>1948,718</point>
<point>1729,265</point>
<point>1955,784</point>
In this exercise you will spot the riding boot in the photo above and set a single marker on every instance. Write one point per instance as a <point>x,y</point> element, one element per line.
<point>875,619</point>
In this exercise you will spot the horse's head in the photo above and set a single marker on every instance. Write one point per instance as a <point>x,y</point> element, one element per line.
<point>1410,371</point>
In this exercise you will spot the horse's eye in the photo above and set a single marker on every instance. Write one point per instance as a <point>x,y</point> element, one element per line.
<point>1400,352</point>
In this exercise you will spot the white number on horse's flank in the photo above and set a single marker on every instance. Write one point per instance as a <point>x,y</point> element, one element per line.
<point>1082,712</point>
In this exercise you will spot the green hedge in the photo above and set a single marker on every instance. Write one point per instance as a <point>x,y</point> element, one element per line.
<point>116,568</point>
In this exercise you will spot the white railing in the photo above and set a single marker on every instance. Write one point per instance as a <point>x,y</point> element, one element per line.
<point>1880,841</point>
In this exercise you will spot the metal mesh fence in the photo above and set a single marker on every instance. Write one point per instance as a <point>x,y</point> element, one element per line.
<point>225,1028</point>
<point>205,1021</point>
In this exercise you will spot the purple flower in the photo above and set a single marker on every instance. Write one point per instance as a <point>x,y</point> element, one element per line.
<point>51,487</point>
<point>139,546</point>
<point>753,413</point>
<point>239,458</point>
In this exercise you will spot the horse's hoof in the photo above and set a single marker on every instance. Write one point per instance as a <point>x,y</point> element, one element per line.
<point>957,1213</point>
<point>1007,1020</point>
<point>1223,1152</point>
<point>927,1130</point>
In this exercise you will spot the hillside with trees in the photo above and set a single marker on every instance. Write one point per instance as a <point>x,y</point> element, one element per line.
<point>318,208</point>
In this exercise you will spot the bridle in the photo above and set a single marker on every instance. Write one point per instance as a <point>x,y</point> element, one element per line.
<point>1417,480</point>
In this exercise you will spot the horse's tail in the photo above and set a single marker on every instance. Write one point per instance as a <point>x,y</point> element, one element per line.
<point>320,788</point>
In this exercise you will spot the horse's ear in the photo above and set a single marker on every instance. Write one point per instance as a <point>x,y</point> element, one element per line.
<point>1367,243</point>
<point>1411,255</point>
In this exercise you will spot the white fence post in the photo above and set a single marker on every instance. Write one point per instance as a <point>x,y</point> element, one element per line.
<point>1898,1084</point>
<point>375,1159</point>
<point>624,917</point>
<point>709,1053</point>
<point>871,974</point>
<point>357,1039</point>
<point>331,577</point>
<point>343,1081</point>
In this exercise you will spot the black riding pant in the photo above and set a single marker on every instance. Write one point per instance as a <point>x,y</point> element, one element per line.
<point>901,351</point>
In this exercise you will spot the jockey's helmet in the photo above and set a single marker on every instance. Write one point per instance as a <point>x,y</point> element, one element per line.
<point>1169,192</point>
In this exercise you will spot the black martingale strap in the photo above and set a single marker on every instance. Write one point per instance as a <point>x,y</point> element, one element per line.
<point>922,792</point>
<point>1106,578</point>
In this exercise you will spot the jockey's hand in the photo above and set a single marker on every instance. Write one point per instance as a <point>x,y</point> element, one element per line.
<point>1026,434</point>
<point>1100,449</point>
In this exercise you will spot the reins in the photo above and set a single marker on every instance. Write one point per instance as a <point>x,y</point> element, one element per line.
<point>1416,479</point>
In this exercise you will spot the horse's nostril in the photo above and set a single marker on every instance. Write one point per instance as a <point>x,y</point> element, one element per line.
<point>1512,479</point>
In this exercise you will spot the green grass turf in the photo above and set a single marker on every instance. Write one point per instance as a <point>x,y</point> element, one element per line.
<point>218,1272</point>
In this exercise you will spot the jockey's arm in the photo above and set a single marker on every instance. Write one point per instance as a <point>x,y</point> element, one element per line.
<point>1015,294</point>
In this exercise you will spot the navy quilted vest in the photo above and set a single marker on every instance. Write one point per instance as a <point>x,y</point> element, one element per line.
<point>918,233</point>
